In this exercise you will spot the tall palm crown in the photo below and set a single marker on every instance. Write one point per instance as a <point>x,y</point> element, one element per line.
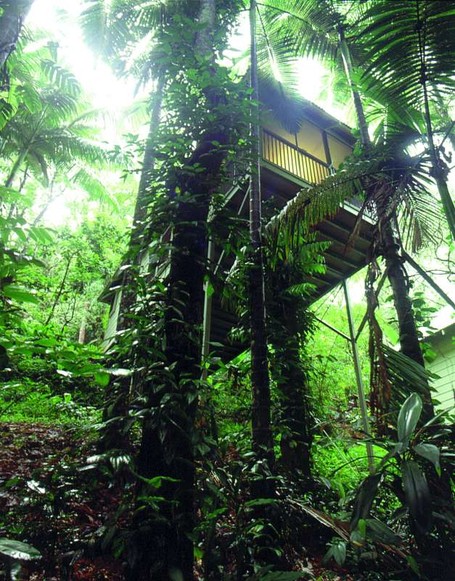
<point>409,65</point>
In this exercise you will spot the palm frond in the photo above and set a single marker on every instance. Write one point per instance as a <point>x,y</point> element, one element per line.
<point>96,190</point>
<point>408,44</point>
<point>406,375</point>
<point>114,28</point>
<point>312,205</point>
<point>305,27</point>
<point>61,78</point>
<point>60,144</point>
<point>59,106</point>
<point>287,107</point>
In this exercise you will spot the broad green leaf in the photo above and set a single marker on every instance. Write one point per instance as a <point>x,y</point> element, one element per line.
<point>337,551</point>
<point>18,550</point>
<point>47,342</point>
<point>364,499</point>
<point>417,495</point>
<point>397,449</point>
<point>429,452</point>
<point>19,294</point>
<point>41,234</point>
<point>413,565</point>
<point>378,531</point>
<point>408,417</point>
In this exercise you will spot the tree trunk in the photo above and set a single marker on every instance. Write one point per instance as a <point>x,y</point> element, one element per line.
<point>168,437</point>
<point>358,105</point>
<point>409,337</point>
<point>137,243</point>
<point>173,457</point>
<point>11,20</point>
<point>262,433</point>
<point>148,163</point>
<point>288,371</point>
<point>439,168</point>
<point>119,392</point>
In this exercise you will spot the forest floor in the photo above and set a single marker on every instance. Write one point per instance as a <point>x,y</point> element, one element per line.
<point>53,497</point>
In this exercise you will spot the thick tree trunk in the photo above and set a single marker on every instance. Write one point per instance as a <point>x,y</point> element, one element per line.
<point>168,437</point>
<point>409,337</point>
<point>173,456</point>
<point>11,20</point>
<point>289,374</point>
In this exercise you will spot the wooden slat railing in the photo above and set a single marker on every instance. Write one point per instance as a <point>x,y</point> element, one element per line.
<point>292,159</point>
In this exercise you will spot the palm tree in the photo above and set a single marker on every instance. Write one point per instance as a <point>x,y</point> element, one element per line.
<point>56,139</point>
<point>324,29</point>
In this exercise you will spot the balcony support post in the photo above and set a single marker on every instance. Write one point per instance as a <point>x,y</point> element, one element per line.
<point>358,376</point>
<point>207,312</point>
<point>328,156</point>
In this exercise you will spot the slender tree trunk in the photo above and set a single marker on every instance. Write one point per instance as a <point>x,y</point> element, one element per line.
<point>262,433</point>
<point>148,163</point>
<point>16,166</point>
<point>59,291</point>
<point>119,392</point>
<point>358,105</point>
<point>24,152</point>
<point>439,171</point>
<point>11,20</point>
<point>262,438</point>
<point>137,242</point>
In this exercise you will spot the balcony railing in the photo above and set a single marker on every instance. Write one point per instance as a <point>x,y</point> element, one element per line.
<point>292,159</point>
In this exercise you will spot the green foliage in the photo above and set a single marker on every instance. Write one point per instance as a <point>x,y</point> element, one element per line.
<point>78,264</point>
<point>17,550</point>
<point>50,281</point>
<point>403,460</point>
<point>336,551</point>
